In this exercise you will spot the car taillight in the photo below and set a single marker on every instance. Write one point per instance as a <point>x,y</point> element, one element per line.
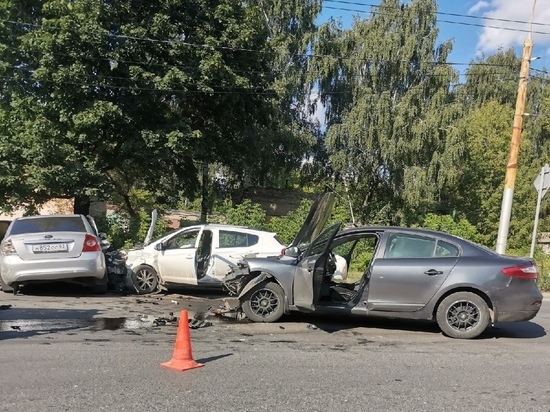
<point>523,272</point>
<point>91,244</point>
<point>8,248</point>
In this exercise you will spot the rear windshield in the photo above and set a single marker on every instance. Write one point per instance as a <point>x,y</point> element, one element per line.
<point>48,224</point>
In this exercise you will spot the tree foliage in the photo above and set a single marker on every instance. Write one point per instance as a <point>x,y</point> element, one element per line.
<point>386,88</point>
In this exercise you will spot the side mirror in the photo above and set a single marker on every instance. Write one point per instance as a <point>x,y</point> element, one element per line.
<point>292,251</point>
<point>160,246</point>
<point>102,235</point>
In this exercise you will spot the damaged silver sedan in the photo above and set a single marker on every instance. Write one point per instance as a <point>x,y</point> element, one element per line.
<point>388,272</point>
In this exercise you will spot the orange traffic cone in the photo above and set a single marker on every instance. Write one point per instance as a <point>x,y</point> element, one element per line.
<point>182,359</point>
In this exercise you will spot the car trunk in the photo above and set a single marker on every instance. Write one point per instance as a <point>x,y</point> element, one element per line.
<point>60,245</point>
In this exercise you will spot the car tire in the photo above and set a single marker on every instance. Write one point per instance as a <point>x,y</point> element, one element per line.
<point>264,303</point>
<point>5,287</point>
<point>463,315</point>
<point>144,279</point>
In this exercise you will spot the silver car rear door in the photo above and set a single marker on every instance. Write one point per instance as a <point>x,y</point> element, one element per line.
<point>409,271</point>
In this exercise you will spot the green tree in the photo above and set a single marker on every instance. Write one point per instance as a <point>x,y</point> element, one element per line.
<point>100,97</point>
<point>385,84</point>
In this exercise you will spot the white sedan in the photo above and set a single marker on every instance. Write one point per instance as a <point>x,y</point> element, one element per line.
<point>197,255</point>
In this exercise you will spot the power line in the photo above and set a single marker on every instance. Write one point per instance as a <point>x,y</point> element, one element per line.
<point>446,21</point>
<point>466,16</point>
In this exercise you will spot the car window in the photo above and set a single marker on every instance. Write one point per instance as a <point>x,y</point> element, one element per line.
<point>320,243</point>
<point>48,224</point>
<point>237,239</point>
<point>408,246</point>
<point>185,240</point>
<point>445,249</point>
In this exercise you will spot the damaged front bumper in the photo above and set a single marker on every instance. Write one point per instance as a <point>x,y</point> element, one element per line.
<point>237,278</point>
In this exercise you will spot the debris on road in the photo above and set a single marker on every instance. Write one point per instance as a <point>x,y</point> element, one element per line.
<point>4,307</point>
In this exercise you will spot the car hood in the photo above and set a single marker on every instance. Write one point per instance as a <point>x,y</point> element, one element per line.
<point>149,236</point>
<point>315,221</point>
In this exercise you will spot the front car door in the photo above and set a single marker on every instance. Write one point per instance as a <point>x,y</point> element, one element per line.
<point>177,259</point>
<point>409,271</point>
<point>311,269</point>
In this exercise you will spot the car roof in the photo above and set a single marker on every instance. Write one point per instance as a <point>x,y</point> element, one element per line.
<point>46,216</point>
<point>223,226</point>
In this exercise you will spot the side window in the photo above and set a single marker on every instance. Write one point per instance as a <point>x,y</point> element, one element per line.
<point>445,249</point>
<point>409,246</point>
<point>237,239</point>
<point>184,240</point>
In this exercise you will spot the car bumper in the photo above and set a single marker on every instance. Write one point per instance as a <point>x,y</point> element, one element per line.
<point>517,303</point>
<point>88,265</point>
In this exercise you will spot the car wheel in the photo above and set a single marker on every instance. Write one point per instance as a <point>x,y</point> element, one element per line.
<point>5,287</point>
<point>463,315</point>
<point>264,303</point>
<point>145,279</point>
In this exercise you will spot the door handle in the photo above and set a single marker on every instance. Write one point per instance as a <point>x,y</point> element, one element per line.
<point>433,272</point>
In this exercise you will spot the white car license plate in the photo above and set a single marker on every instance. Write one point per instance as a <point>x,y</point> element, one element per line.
<point>50,248</point>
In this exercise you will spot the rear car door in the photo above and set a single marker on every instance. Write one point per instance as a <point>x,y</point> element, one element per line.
<point>410,271</point>
<point>176,260</point>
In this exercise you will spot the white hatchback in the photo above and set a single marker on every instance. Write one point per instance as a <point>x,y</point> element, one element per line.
<point>197,255</point>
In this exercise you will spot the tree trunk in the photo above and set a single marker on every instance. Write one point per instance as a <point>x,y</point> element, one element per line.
<point>204,196</point>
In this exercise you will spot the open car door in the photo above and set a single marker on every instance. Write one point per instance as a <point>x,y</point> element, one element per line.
<point>312,269</point>
<point>315,221</point>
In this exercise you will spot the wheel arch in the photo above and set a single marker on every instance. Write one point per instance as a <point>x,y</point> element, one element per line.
<point>470,289</point>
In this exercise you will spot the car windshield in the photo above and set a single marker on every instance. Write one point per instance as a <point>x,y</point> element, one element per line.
<point>48,224</point>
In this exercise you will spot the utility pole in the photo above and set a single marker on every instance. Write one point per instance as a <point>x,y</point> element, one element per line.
<point>512,166</point>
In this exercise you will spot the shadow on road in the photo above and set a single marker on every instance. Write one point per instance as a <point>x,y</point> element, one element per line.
<point>213,358</point>
<point>330,324</point>
<point>516,330</point>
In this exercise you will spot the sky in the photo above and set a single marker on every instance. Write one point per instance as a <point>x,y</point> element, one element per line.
<point>476,27</point>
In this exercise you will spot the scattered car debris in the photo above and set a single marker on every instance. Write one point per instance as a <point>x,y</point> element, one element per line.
<point>4,307</point>
<point>175,302</point>
<point>196,324</point>
<point>16,327</point>
<point>228,311</point>
<point>312,327</point>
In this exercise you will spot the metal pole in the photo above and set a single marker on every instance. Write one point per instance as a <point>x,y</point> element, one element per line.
<point>539,200</point>
<point>511,168</point>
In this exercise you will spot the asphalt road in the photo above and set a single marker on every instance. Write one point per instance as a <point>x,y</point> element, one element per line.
<point>84,353</point>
